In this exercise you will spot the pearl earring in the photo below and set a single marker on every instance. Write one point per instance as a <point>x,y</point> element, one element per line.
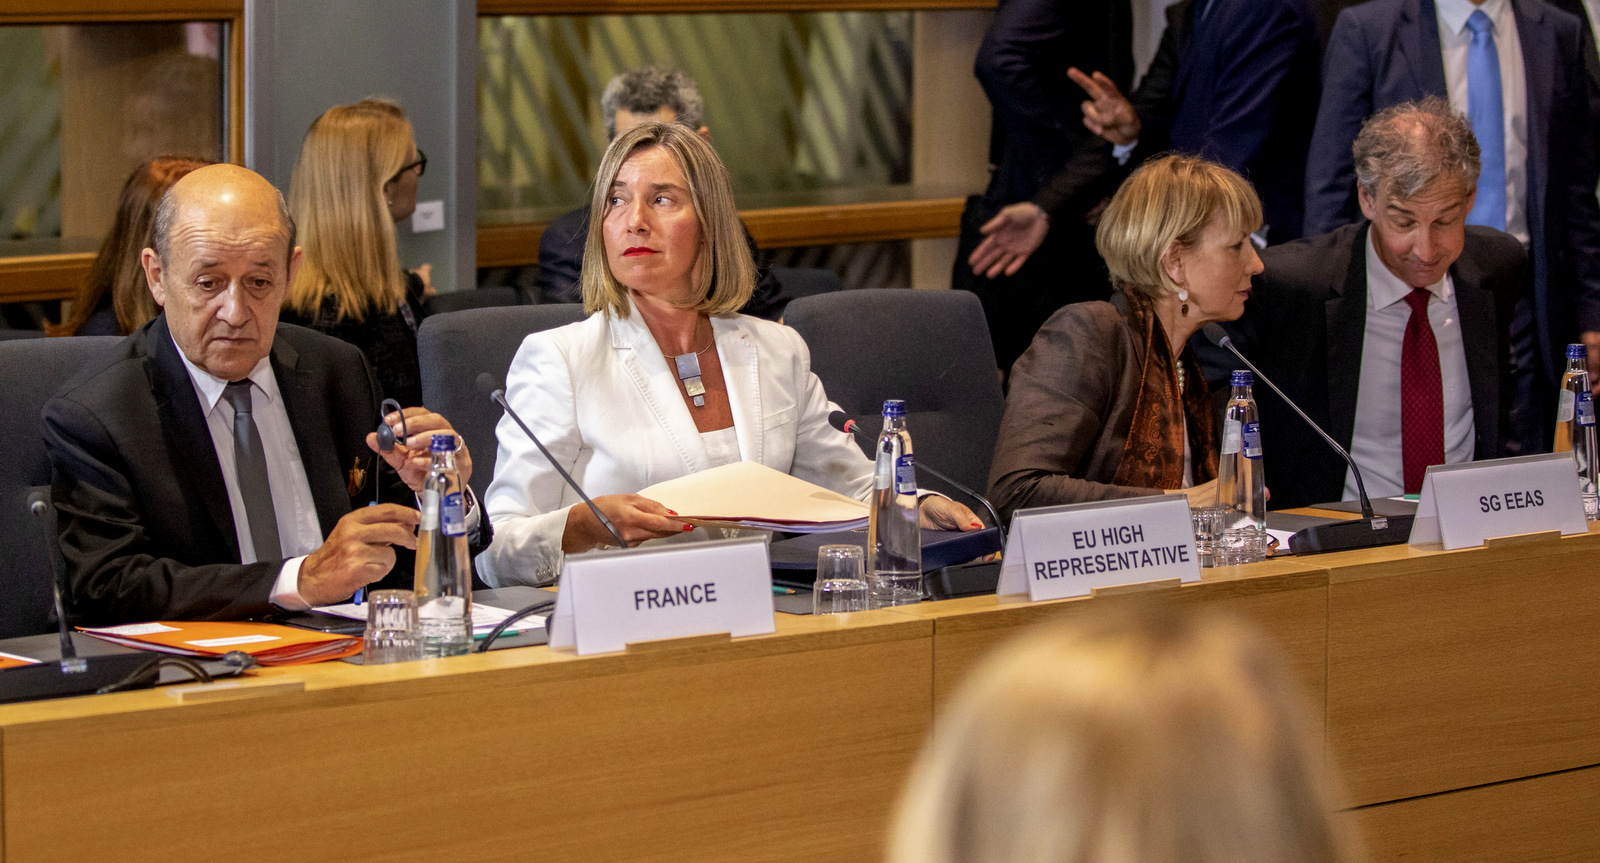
<point>1183,297</point>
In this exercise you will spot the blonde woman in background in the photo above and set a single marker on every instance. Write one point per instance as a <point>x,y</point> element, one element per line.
<point>355,178</point>
<point>115,299</point>
<point>1160,738</point>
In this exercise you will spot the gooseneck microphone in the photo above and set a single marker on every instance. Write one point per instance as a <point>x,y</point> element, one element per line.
<point>842,422</point>
<point>487,385</point>
<point>1368,531</point>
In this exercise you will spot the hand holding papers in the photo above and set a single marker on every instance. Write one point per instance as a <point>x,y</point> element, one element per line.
<point>747,494</point>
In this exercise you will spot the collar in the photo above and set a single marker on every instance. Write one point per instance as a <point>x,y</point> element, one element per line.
<point>209,387</point>
<point>1454,13</point>
<point>1384,288</point>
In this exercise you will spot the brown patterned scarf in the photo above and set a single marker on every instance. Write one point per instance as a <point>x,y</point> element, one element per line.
<point>1153,455</point>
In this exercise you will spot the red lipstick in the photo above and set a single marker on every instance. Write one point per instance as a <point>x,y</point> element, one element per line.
<point>634,251</point>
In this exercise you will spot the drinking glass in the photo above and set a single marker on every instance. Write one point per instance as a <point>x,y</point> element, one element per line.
<point>1208,522</point>
<point>841,580</point>
<point>1242,545</point>
<point>392,631</point>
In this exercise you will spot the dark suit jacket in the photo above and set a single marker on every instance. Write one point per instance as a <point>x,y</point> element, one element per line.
<point>1387,52</point>
<point>561,260</point>
<point>1038,146</point>
<point>1304,327</point>
<point>143,514</point>
<point>1240,91</point>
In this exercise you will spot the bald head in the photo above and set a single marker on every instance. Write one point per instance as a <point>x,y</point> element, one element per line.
<point>240,192</point>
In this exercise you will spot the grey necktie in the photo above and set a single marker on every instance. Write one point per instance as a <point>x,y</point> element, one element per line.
<point>250,465</point>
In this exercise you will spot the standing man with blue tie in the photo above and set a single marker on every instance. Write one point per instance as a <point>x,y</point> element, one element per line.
<point>1516,68</point>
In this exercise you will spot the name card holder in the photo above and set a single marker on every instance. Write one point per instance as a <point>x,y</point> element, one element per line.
<point>634,599</point>
<point>1142,543</point>
<point>1470,504</point>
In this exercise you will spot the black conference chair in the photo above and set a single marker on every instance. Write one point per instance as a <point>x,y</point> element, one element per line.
<point>10,335</point>
<point>455,348</point>
<point>31,370</point>
<point>930,348</point>
<point>473,298</point>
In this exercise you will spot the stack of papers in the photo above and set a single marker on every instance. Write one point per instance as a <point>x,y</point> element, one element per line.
<point>747,494</point>
<point>484,617</point>
<point>269,643</point>
<point>11,660</point>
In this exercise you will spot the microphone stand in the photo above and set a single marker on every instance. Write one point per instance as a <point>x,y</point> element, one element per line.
<point>499,398</point>
<point>1369,531</point>
<point>854,428</point>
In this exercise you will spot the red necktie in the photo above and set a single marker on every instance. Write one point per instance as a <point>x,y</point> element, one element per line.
<point>1421,395</point>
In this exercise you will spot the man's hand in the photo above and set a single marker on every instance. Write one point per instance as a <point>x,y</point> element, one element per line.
<point>411,457</point>
<point>636,518</point>
<point>942,513</point>
<point>1591,340</point>
<point>359,551</point>
<point>1108,113</point>
<point>1009,238</point>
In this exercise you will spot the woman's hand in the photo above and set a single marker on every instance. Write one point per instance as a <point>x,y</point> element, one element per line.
<point>636,518</point>
<point>1204,494</point>
<point>942,513</point>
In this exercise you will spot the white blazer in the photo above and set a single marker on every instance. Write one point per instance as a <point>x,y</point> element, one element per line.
<point>601,396</point>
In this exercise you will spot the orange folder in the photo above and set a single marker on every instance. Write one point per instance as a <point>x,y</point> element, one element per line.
<point>269,643</point>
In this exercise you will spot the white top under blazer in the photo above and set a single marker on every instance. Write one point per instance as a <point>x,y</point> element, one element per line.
<point>601,396</point>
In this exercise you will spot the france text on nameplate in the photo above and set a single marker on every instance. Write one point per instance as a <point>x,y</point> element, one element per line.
<point>607,599</point>
<point>1061,551</point>
<point>1464,504</point>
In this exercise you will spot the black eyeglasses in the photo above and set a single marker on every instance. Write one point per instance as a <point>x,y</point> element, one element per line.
<point>421,164</point>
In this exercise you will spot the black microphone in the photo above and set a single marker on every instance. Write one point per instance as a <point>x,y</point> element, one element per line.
<point>1368,531</point>
<point>39,507</point>
<point>842,422</point>
<point>487,385</point>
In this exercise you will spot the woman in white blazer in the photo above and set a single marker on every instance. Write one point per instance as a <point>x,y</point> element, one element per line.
<point>636,395</point>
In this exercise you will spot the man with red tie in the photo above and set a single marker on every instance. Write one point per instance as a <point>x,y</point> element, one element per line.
<point>1393,333</point>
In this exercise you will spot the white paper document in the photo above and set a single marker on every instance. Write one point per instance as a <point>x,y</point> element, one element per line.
<point>484,617</point>
<point>748,494</point>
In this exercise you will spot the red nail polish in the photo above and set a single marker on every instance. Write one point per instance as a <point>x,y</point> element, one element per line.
<point>670,512</point>
<point>688,527</point>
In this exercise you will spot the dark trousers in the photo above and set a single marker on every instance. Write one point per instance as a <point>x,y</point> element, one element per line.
<point>1065,269</point>
<point>1533,399</point>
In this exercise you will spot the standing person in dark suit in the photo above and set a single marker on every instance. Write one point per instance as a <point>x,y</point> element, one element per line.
<point>630,99</point>
<point>1047,171</point>
<point>1393,332</point>
<point>1517,69</point>
<point>215,466</point>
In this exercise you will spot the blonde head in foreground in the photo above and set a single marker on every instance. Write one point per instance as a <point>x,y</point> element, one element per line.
<point>1160,738</point>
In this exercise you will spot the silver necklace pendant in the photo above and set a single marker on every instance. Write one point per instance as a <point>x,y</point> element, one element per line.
<point>689,372</point>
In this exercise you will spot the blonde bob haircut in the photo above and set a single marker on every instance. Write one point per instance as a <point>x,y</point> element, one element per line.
<point>1157,738</point>
<point>336,196</point>
<point>725,276</point>
<point>1167,203</point>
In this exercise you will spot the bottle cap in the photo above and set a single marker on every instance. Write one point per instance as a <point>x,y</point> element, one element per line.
<point>443,443</point>
<point>1577,352</point>
<point>1242,378</point>
<point>894,408</point>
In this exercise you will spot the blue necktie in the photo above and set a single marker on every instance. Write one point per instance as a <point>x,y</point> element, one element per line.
<point>1487,111</point>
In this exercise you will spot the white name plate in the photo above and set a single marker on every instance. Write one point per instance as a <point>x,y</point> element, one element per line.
<point>607,599</point>
<point>1061,551</point>
<point>1464,504</point>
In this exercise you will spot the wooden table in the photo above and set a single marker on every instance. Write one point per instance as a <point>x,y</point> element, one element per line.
<point>1460,693</point>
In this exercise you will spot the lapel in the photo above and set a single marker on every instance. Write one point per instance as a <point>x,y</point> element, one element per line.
<point>184,426</point>
<point>742,373</point>
<point>1418,40</point>
<point>1346,313</point>
<point>309,418</point>
<point>1475,307</point>
<point>657,384</point>
<point>1538,41</point>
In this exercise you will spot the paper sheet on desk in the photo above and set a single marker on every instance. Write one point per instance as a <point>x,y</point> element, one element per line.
<point>484,617</point>
<point>751,495</point>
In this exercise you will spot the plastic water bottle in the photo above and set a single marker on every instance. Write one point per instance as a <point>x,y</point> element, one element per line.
<point>894,540</point>
<point>1241,483</point>
<point>1575,431</point>
<point>443,575</point>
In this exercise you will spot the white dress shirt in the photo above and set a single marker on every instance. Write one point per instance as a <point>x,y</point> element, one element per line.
<point>1375,445</point>
<point>299,530</point>
<point>1455,40</point>
<point>1593,8</point>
